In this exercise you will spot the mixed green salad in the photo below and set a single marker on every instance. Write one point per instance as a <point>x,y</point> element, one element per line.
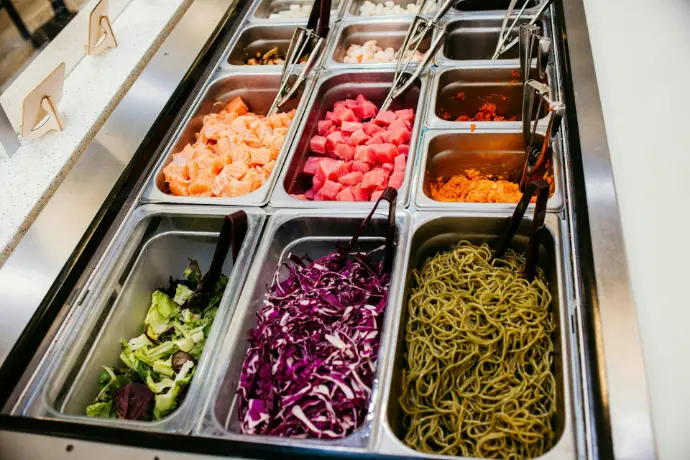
<point>160,363</point>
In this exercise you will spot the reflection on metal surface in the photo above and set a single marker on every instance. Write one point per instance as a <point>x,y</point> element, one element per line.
<point>624,385</point>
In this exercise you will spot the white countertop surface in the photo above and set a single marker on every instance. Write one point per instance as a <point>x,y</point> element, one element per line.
<point>643,66</point>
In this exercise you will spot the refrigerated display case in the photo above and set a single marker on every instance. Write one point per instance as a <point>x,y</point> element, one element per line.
<point>135,226</point>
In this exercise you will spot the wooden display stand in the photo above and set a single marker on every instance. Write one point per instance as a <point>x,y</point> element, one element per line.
<point>39,113</point>
<point>101,37</point>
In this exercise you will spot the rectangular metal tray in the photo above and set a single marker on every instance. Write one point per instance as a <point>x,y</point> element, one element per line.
<point>333,86</point>
<point>264,8</point>
<point>432,232</point>
<point>316,233</point>
<point>155,243</point>
<point>255,38</point>
<point>471,42</point>
<point>352,10</point>
<point>500,86</point>
<point>493,7</point>
<point>388,33</point>
<point>257,89</point>
<point>498,152</point>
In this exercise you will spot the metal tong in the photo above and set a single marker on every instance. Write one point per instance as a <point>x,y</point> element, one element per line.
<point>537,98</point>
<point>529,37</point>
<point>502,46</point>
<point>391,195</point>
<point>541,189</point>
<point>420,28</point>
<point>310,38</point>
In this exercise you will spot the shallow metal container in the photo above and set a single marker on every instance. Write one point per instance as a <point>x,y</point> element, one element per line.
<point>261,12</point>
<point>387,33</point>
<point>335,86</point>
<point>432,232</point>
<point>446,153</point>
<point>155,243</point>
<point>316,233</point>
<point>500,86</point>
<point>472,42</point>
<point>257,89</point>
<point>258,38</point>
<point>352,10</point>
<point>493,7</point>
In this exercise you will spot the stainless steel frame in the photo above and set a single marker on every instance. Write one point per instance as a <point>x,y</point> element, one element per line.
<point>29,272</point>
<point>333,86</point>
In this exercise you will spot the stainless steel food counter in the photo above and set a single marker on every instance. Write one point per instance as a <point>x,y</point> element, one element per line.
<point>602,409</point>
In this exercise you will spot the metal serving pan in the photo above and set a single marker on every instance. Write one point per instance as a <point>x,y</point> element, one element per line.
<point>258,38</point>
<point>316,233</point>
<point>334,86</point>
<point>446,153</point>
<point>387,33</point>
<point>500,86</point>
<point>472,42</point>
<point>258,90</point>
<point>263,9</point>
<point>352,10</point>
<point>432,232</point>
<point>155,243</point>
<point>493,7</point>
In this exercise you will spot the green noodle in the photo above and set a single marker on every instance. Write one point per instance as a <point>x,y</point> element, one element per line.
<point>479,356</point>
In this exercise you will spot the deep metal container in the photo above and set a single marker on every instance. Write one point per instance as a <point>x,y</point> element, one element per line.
<point>316,233</point>
<point>335,86</point>
<point>353,6</point>
<point>433,232</point>
<point>262,10</point>
<point>388,33</point>
<point>463,91</point>
<point>154,244</point>
<point>472,42</point>
<point>257,89</point>
<point>446,153</point>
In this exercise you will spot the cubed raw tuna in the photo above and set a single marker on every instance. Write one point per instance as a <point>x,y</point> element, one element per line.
<point>384,135</point>
<point>345,168</point>
<point>399,123</point>
<point>366,111</point>
<point>324,126</point>
<point>351,103</point>
<point>345,152</point>
<point>329,115</point>
<point>396,179</point>
<point>330,190</point>
<point>361,166</point>
<point>341,114</point>
<point>385,118</point>
<point>317,183</point>
<point>334,139</point>
<point>361,99</point>
<point>312,165</point>
<point>375,140</point>
<point>366,154</point>
<point>317,144</point>
<point>404,149</point>
<point>328,169</point>
<point>345,195</point>
<point>405,114</point>
<point>352,178</point>
<point>376,195</point>
<point>351,126</point>
<point>299,197</point>
<point>374,178</point>
<point>371,128</point>
<point>359,137</point>
<point>385,153</point>
<point>399,136</point>
<point>388,167</point>
<point>309,194</point>
<point>360,194</point>
<point>400,162</point>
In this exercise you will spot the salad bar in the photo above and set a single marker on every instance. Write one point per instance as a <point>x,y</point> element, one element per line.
<point>332,253</point>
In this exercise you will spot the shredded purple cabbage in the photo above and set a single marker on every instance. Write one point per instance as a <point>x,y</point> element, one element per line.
<point>311,361</point>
